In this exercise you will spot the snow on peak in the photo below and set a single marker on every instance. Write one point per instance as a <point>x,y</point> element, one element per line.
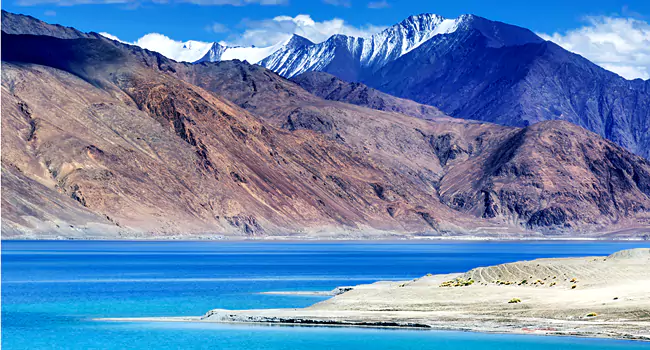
<point>297,54</point>
<point>372,52</point>
<point>298,42</point>
<point>405,36</point>
<point>251,54</point>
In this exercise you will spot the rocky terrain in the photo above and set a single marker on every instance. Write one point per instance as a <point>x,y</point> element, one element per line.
<point>600,296</point>
<point>523,177</point>
<point>102,138</point>
<point>150,152</point>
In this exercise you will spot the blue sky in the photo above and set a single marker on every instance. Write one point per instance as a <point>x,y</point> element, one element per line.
<point>183,21</point>
<point>578,24</point>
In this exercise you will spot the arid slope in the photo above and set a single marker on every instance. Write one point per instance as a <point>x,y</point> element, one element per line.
<point>147,151</point>
<point>549,175</point>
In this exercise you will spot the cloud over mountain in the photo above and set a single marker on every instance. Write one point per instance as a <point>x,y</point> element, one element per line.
<point>271,31</point>
<point>188,51</point>
<point>621,45</point>
<point>262,33</point>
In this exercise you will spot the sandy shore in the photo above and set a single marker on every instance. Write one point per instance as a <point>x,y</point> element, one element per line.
<point>591,297</point>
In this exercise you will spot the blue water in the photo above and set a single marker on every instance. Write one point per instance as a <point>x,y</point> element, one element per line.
<point>51,291</point>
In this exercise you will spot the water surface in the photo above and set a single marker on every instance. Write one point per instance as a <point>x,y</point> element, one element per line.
<point>51,291</point>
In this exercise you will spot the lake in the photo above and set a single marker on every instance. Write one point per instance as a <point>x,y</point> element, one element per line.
<point>52,290</point>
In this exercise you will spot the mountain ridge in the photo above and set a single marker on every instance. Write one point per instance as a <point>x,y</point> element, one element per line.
<point>547,83</point>
<point>125,138</point>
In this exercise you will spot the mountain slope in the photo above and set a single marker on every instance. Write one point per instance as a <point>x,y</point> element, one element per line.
<point>21,24</point>
<point>120,137</point>
<point>552,175</point>
<point>582,177</point>
<point>521,85</point>
<point>474,68</point>
<point>108,128</point>
<point>329,87</point>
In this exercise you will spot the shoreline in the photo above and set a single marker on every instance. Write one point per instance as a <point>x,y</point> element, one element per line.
<point>524,331</point>
<point>593,296</point>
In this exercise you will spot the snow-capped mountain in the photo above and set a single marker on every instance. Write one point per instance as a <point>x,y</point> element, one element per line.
<point>252,54</point>
<point>298,55</point>
<point>474,68</point>
<point>352,54</point>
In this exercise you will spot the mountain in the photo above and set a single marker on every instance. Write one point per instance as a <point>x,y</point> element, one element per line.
<point>357,59</point>
<point>329,87</point>
<point>253,54</point>
<point>112,131</point>
<point>520,85</point>
<point>352,58</point>
<point>102,125</point>
<point>103,139</point>
<point>548,175</point>
<point>474,68</point>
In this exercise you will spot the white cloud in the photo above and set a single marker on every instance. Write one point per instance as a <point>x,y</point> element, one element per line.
<point>112,37</point>
<point>188,51</point>
<point>621,45</point>
<point>269,32</point>
<point>261,34</point>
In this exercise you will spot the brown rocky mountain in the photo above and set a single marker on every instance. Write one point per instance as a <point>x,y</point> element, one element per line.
<point>109,139</point>
<point>551,174</point>
<point>98,125</point>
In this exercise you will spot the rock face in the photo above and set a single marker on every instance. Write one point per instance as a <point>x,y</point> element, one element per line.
<point>119,139</point>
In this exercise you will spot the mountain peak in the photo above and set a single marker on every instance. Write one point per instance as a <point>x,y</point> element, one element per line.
<point>499,34</point>
<point>422,17</point>
<point>13,23</point>
<point>214,54</point>
<point>297,42</point>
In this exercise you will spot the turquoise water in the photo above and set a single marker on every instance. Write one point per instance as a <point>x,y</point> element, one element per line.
<point>51,291</point>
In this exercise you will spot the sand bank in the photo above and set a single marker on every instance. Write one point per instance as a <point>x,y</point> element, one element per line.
<point>590,296</point>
